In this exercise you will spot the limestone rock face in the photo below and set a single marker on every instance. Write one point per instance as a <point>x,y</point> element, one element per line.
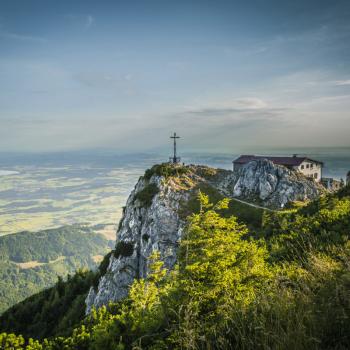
<point>154,223</point>
<point>273,185</point>
<point>145,229</point>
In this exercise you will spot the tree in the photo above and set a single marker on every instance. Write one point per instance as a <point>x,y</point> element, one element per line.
<point>220,268</point>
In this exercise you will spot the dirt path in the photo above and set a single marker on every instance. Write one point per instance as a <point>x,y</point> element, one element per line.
<point>252,205</point>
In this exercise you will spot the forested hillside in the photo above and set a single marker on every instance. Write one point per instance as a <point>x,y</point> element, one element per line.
<point>285,285</point>
<point>31,261</point>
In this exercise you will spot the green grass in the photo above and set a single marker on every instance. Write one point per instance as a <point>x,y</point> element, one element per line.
<point>251,216</point>
<point>166,170</point>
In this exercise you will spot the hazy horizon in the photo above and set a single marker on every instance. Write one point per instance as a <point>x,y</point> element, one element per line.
<point>167,149</point>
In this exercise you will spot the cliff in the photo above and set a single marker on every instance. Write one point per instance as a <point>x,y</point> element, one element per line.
<point>154,216</point>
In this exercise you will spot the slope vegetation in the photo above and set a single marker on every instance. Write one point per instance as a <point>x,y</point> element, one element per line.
<point>31,261</point>
<point>232,288</point>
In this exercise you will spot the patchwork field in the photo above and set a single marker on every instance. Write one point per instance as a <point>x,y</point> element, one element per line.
<point>35,198</point>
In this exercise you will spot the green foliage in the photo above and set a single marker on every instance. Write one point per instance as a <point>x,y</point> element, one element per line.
<point>102,269</point>
<point>290,289</point>
<point>125,325</point>
<point>53,311</point>
<point>52,253</point>
<point>166,170</point>
<point>10,341</point>
<point>206,172</point>
<point>322,226</point>
<point>210,273</point>
<point>48,245</point>
<point>146,195</point>
<point>221,269</point>
<point>344,192</point>
<point>145,237</point>
<point>192,205</point>
<point>123,249</point>
<point>250,216</point>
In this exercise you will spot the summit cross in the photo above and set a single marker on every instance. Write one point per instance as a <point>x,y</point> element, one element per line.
<point>174,159</point>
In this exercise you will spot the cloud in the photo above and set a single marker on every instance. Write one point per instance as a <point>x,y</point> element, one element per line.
<point>216,115</point>
<point>24,121</point>
<point>246,106</point>
<point>89,21</point>
<point>22,37</point>
<point>250,103</point>
<point>239,113</point>
<point>342,82</point>
<point>85,21</point>
<point>102,80</point>
<point>329,99</point>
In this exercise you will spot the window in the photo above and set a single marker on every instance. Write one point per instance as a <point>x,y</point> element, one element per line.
<point>315,175</point>
<point>302,167</point>
<point>311,166</point>
<point>307,166</point>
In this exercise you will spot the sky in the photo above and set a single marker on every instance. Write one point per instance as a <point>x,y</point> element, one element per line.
<point>124,75</point>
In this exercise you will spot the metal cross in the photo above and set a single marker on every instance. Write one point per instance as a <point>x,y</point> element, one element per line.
<point>175,159</point>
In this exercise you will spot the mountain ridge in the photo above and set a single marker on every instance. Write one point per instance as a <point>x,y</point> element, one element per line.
<point>290,267</point>
<point>155,212</point>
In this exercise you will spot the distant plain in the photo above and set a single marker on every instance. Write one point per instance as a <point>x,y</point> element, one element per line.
<point>52,190</point>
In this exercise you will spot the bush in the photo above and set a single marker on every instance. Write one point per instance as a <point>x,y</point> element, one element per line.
<point>123,249</point>
<point>166,170</point>
<point>102,269</point>
<point>344,192</point>
<point>146,195</point>
<point>252,217</point>
<point>145,237</point>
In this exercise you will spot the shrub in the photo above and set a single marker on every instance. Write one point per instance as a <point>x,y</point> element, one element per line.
<point>145,237</point>
<point>206,172</point>
<point>146,195</point>
<point>246,214</point>
<point>123,249</point>
<point>166,170</point>
<point>344,192</point>
<point>102,269</point>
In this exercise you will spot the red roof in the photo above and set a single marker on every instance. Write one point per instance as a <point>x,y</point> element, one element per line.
<point>286,161</point>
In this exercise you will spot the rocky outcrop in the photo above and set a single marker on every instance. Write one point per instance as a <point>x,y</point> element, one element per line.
<point>272,185</point>
<point>152,221</point>
<point>144,228</point>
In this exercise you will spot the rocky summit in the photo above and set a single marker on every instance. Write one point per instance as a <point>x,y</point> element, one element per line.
<point>273,185</point>
<point>155,213</point>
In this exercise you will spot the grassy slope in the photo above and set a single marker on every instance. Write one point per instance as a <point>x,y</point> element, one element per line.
<point>251,216</point>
